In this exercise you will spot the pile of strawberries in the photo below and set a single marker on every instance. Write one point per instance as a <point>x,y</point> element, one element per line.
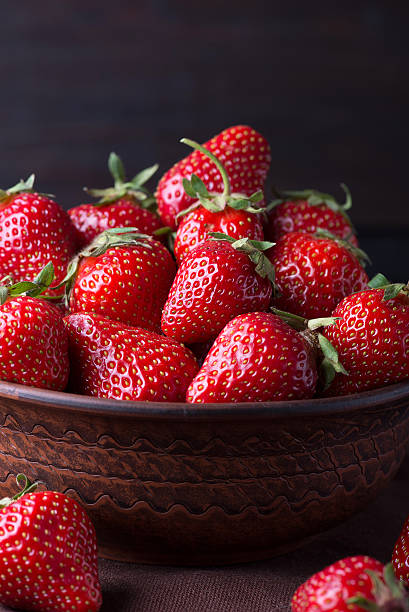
<point>204,292</point>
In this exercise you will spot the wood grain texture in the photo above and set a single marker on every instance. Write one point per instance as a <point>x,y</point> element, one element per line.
<point>326,84</point>
<point>224,489</point>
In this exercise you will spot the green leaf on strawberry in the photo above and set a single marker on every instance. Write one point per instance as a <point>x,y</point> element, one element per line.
<point>390,290</point>
<point>32,288</point>
<point>134,189</point>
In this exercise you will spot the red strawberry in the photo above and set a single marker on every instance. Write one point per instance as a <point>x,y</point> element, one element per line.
<point>217,281</point>
<point>308,211</point>
<point>124,276</point>
<point>256,358</point>
<point>371,338</point>
<point>230,214</point>
<point>353,584</point>
<point>48,553</point>
<point>33,231</point>
<point>33,339</point>
<point>110,359</point>
<point>313,273</point>
<point>127,204</point>
<point>400,557</point>
<point>244,153</point>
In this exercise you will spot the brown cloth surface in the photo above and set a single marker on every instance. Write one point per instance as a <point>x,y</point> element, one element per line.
<point>256,587</point>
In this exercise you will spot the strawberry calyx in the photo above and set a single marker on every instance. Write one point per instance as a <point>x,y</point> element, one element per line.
<point>361,256</point>
<point>25,485</point>
<point>133,189</point>
<point>23,186</point>
<point>390,594</point>
<point>216,202</point>
<point>390,290</point>
<point>315,198</point>
<point>254,250</point>
<point>33,288</point>
<point>114,237</point>
<point>330,364</point>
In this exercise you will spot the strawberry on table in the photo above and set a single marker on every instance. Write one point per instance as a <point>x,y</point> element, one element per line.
<point>244,153</point>
<point>217,281</point>
<point>126,204</point>
<point>113,360</point>
<point>314,272</point>
<point>371,337</point>
<point>400,557</point>
<point>122,275</point>
<point>310,210</point>
<point>34,230</point>
<point>256,358</point>
<point>236,215</point>
<point>48,553</point>
<point>353,584</point>
<point>33,339</point>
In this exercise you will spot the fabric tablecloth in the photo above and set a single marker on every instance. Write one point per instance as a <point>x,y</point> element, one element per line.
<point>256,587</point>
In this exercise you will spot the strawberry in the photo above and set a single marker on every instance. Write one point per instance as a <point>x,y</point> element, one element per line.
<point>244,153</point>
<point>48,553</point>
<point>33,339</point>
<point>400,557</point>
<point>313,273</point>
<point>216,281</point>
<point>371,337</point>
<point>127,204</point>
<point>231,214</point>
<point>256,358</point>
<point>33,231</point>
<point>309,210</point>
<point>110,359</point>
<point>351,585</point>
<point>124,276</point>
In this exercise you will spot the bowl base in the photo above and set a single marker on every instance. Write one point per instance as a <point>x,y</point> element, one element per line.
<point>203,559</point>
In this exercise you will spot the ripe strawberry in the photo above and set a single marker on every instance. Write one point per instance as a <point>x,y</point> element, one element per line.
<point>351,585</point>
<point>313,273</point>
<point>256,358</point>
<point>400,557</point>
<point>33,231</point>
<point>309,210</point>
<point>127,204</point>
<point>217,281</point>
<point>244,153</point>
<point>48,553</point>
<point>33,339</point>
<point>230,214</point>
<point>124,276</point>
<point>371,338</point>
<point>110,359</point>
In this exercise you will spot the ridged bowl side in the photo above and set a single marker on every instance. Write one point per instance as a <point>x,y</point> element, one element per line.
<point>175,484</point>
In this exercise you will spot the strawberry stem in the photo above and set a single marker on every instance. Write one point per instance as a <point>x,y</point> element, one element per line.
<point>213,158</point>
<point>26,487</point>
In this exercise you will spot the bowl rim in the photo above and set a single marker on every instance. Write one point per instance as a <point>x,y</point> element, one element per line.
<point>375,398</point>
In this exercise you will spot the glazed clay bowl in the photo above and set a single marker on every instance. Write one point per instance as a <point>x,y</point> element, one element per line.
<point>205,484</point>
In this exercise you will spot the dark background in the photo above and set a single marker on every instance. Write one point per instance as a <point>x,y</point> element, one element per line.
<point>325,82</point>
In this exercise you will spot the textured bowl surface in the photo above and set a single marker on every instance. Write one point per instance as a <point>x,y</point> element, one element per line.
<point>183,484</point>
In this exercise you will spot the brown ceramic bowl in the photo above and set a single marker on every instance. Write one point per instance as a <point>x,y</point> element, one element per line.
<point>183,484</point>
